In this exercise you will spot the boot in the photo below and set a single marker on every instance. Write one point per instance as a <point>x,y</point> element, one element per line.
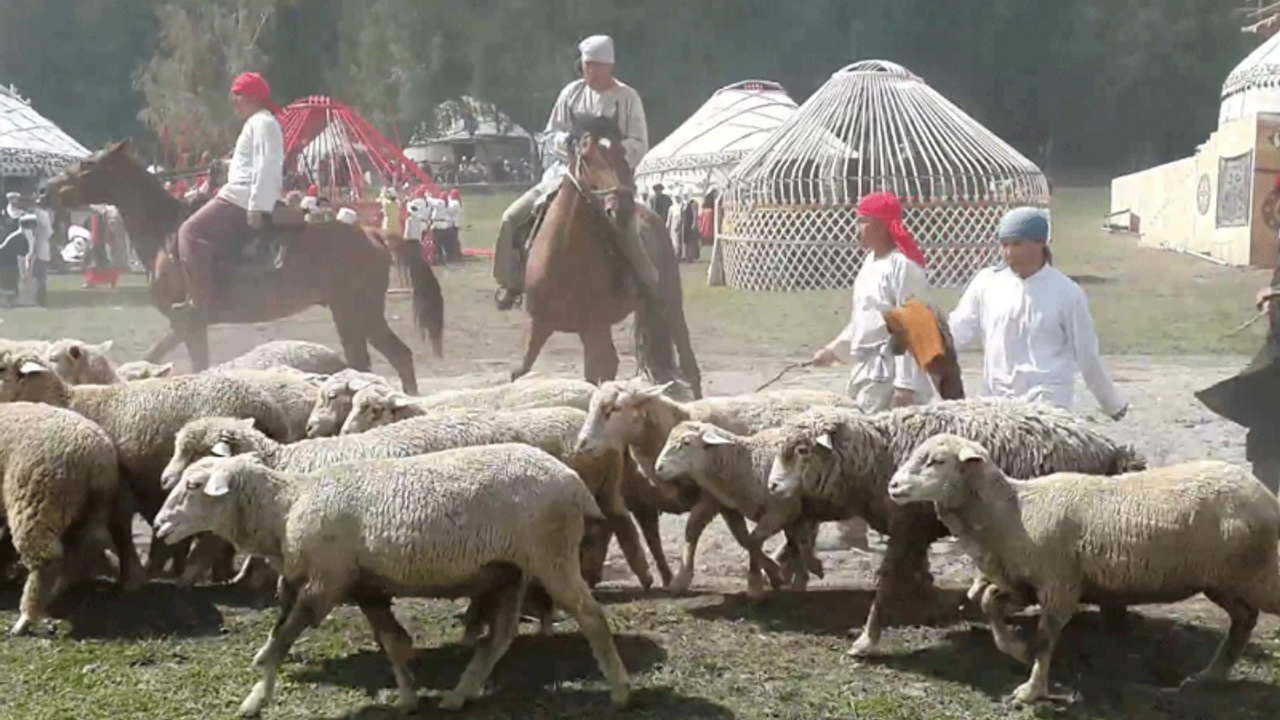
<point>507,298</point>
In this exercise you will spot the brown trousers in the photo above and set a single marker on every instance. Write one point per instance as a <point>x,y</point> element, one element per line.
<point>219,226</point>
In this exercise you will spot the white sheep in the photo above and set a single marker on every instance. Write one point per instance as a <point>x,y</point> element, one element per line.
<point>457,523</point>
<point>839,463</point>
<point>734,470</point>
<point>377,405</point>
<point>142,370</point>
<point>61,498</point>
<point>633,415</point>
<point>333,401</point>
<point>292,389</point>
<point>305,356</point>
<point>1156,536</point>
<point>142,417</point>
<point>81,363</point>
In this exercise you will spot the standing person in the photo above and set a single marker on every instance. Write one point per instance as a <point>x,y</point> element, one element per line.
<point>891,274</point>
<point>597,93</point>
<point>41,254</point>
<point>453,224</point>
<point>439,210</point>
<point>1032,322</point>
<point>13,248</point>
<point>243,205</point>
<point>660,201</point>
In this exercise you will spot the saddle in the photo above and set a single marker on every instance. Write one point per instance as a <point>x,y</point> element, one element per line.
<point>263,254</point>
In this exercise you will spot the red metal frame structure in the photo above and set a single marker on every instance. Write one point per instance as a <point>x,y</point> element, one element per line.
<point>347,136</point>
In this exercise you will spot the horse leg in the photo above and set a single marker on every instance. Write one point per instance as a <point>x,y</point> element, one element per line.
<point>165,345</point>
<point>353,337</point>
<point>684,350</point>
<point>384,340</point>
<point>197,339</point>
<point>600,357</point>
<point>536,335</point>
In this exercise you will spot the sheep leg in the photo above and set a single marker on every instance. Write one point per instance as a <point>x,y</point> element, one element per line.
<point>629,541</point>
<point>1244,617</point>
<point>907,554</point>
<point>120,527</point>
<point>38,591</point>
<point>564,583</point>
<point>758,559</point>
<point>995,607</point>
<point>595,550</point>
<point>204,550</point>
<point>647,519</point>
<point>505,625</point>
<point>1055,612</point>
<point>700,516</point>
<point>397,645</point>
<point>295,617</point>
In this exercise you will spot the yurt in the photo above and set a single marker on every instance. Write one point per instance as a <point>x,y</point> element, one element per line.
<point>788,212</point>
<point>1254,85</point>
<point>700,153</point>
<point>31,145</point>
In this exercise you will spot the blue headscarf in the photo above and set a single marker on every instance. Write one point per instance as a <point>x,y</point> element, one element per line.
<point>1026,223</point>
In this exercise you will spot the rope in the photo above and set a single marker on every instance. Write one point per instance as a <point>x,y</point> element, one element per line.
<point>785,370</point>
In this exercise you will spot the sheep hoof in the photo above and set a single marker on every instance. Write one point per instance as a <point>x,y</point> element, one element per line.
<point>252,704</point>
<point>863,646</point>
<point>21,627</point>
<point>1027,693</point>
<point>620,698</point>
<point>681,582</point>
<point>453,701</point>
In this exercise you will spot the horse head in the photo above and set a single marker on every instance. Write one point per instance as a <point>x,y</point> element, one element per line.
<point>97,179</point>
<point>598,162</point>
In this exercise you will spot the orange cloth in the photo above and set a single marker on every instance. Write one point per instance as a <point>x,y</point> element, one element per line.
<point>916,323</point>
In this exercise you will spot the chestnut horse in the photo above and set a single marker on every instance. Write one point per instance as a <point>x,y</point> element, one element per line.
<point>339,265</point>
<point>576,277</point>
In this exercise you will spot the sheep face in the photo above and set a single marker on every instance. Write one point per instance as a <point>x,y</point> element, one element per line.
<point>143,370</point>
<point>209,437</point>
<point>79,363</point>
<point>333,405</point>
<point>688,449</point>
<point>202,500</point>
<point>616,416</point>
<point>803,455</point>
<point>374,406</point>
<point>938,471</point>
<point>26,378</point>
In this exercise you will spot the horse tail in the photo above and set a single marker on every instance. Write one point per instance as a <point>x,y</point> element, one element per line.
<point>428,299</point>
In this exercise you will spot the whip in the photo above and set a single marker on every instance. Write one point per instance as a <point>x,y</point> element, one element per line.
<point>785,370</point>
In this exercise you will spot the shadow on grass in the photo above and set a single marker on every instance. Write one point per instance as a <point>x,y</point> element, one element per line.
<point>1091,279</point>
<point>1103,675</point>
<point>831,612</point>
<point>97,610</point>
<point>551,670</point>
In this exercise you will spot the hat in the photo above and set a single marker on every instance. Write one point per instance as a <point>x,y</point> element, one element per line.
<point>28,219</point>
<point>11,196</point>
<point>1026,223</point>
<point>658,187</point>
<point>597,48</point>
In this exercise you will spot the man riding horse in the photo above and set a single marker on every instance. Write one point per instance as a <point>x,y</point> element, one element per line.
<point>242,208</point>
<point>597,93</point>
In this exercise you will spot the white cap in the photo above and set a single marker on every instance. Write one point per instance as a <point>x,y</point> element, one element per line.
<point>597,48</point>
<point>11,196</point>
<point>347,215</point>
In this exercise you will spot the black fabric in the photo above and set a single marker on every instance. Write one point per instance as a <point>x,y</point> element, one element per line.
<point>1252,397</point>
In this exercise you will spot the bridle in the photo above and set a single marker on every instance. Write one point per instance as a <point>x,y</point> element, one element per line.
<point>595,198</point>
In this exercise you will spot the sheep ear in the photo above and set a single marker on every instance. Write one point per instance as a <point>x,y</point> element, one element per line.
<point>247,423</point>
<point>220,449</point>
<point>104,347</point>
<point>400,402</point>
<point>970,456</point>
<point>31,367</point>
<point>656,390</point>
<point>826,441</point>
<point>75,352</point>
<point>164,370</point>
<point>218,484</point>
<point>712,436</point>
<point>357,384</point>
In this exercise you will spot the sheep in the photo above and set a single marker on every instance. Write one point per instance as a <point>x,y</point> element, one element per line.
<point>735,471</point>
<point>80,363</point>
<point>333,401</point>
<point>456,523</point>
<point>142,417</point>
<point>553,430</point>
<point>305,356</point>
<point>293,390</point>
<point>61,496</point>
<point>839,462</point>
<point>628,414</point>
<point>377,405</point>
<point>1160,535</point>
<point>142,370</point>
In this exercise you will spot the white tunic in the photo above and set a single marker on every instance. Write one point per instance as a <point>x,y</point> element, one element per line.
<point>256,174</point>
<point>883,283</point>
<point>439,213</point>
<point>578,98</point>
<point>1035,333</point>
<point>454,212</point>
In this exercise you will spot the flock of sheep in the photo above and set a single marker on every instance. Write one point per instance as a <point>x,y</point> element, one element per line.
<point>336,488</point>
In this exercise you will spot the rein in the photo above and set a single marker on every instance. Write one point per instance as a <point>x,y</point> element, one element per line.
<point>595,198</point>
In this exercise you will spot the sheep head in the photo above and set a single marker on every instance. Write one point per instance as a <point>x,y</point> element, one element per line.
<point>617,415</point>
<point>940,470</point>
<point>28,378</point>
<point>374,406</point>
<point>79,363</point>
<point>143,370</point>
<point>687,450</point>
<point>806,450</point>
<point>333,404</point>
<point>210,437</point>
<point>202,500</point>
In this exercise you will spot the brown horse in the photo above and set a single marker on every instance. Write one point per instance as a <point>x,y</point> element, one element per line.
<point>576,279</point>
<point>339,265</point>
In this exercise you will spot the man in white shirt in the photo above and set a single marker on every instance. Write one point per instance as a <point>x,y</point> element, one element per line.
<point>41,253</point>
<point>597,93</point>
<point>1033,323</point>
<point>243,205</point>
<point>891,274</point>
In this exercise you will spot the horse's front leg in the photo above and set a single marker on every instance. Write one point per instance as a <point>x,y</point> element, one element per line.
<point>165,345</point>
<point>197,340</point>
<point>600,357</point>
<point>536,334</point>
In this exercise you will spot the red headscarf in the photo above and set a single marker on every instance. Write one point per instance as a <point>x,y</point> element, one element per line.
<point>455,194</point>
<point>313,191</point>
<point>885,207</point>
<point>252,86</point>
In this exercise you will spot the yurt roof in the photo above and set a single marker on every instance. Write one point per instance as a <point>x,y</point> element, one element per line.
<point>735,120</point>
<point>1254,85</point>
<point>31,144</point>
<point>874,125</point>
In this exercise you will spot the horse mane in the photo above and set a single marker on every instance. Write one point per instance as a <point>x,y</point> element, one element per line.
<point>604,126</point>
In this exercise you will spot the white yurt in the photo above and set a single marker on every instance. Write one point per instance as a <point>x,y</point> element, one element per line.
<point>30,144</point>
<point>788,213</point>
<point>700,153</point>
<point>1254,85</point>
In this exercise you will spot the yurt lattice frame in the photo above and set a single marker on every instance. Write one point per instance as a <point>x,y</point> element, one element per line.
<point>788,216</point>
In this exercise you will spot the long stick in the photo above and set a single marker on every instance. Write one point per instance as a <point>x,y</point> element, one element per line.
<point>1244,326</point>
<point>785,370</point>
